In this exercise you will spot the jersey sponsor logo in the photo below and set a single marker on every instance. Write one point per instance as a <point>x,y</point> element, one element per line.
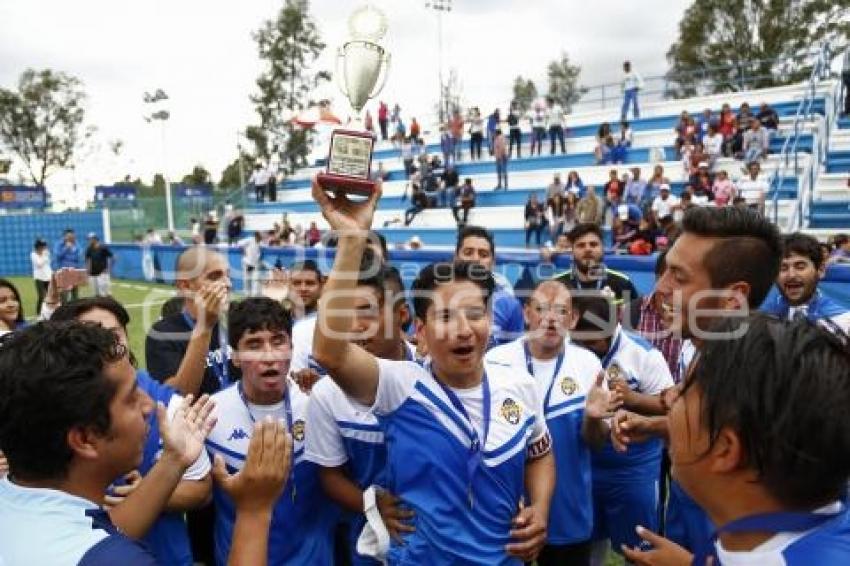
<point>511,412</point>
<point>238,434</point>
<point>298,430</point>
<point>569,386</point>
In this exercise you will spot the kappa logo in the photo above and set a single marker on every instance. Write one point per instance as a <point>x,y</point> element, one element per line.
<point>238,434</point>
<point>511,411</point>
<point>298,430</point>
<point>569,386</point>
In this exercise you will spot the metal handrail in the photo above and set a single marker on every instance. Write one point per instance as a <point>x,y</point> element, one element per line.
<point>805,182</point>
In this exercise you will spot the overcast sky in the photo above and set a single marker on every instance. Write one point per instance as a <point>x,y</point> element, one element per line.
<point>202,54</point>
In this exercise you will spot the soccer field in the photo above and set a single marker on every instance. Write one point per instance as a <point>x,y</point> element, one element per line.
<point>142,300</point>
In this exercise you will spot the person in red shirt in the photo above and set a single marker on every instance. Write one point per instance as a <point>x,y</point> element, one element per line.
<point>314,235</point>
<point>383,112</point>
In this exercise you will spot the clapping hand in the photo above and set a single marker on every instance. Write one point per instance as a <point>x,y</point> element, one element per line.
<point>183,436</point>
<point>259,484</point>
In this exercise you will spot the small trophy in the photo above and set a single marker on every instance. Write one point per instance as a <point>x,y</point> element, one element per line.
<point>361,61</point>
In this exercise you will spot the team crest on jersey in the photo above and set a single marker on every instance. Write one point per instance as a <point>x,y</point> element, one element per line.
<point>569,386</point>
<point>615,372</point>
<point>298,430</point>
<point>511,411</point>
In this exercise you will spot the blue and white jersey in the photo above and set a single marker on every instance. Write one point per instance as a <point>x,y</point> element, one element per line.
<point>302,345</point>
<point>508,322</point>
<point>168,537</point>
<point>302,525</point>
<point>46,526</point>
<point>563,387</point>
<point>644,369</point>
<point>819,307</point>
<point>431,451</point>
<point>827,544</point>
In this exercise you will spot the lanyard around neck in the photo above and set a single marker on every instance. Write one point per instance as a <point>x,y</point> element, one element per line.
<point>475,458</point>
<point>612,351</point>
<point>530,366</point>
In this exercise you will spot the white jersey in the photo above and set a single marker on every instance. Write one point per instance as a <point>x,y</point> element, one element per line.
<point>302,345</point>
<point>563,384</point>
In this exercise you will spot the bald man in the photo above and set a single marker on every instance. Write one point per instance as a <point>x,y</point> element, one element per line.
<point>203,280</point>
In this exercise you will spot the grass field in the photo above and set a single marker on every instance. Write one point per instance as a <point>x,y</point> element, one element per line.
<point>142,300</point>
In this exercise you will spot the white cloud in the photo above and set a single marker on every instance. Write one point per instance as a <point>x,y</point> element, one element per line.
<point>202,54</point>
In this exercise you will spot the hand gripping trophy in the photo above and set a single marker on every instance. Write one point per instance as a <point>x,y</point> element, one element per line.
<point>362,65</point>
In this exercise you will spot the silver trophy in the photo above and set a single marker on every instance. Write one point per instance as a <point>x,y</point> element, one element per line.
<point>361,72</point>
<point>362,63</point>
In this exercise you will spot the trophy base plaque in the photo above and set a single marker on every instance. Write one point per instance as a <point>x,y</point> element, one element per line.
<point>349,163</point>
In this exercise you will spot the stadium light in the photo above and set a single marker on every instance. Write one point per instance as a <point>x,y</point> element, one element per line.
<point>162,116</point>
<point>440,6</point>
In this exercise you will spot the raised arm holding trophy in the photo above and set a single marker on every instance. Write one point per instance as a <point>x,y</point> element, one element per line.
<point>361,62</point>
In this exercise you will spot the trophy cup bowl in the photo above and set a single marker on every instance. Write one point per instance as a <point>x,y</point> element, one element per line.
<point>362,65</point>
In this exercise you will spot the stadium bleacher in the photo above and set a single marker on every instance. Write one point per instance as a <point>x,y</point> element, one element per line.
<point>502,211</point>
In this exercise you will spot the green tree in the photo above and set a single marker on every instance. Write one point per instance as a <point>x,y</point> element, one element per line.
<point>525,92</point>
<point>158,186</point>
<point>232,177</point>
<point>563,82</point>
<point>288,46</point>
<point>40,121</point>
<point>198,177</point>
<point>764,42</point>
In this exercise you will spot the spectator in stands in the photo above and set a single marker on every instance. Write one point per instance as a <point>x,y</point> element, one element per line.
<point>383,119</point>
<point>726,127</point>
<point>723,189</point>
<point>624,142</point>
<point>500,153</point>
<point>41,271</point>
<point>574,184</point>
<point>841,254</point>
<point>742,123</point>
<point>447,145</point>
<point>380,172</point>
<point>555,121</point>
<point>556,187</point>
<point>538,128</point>
<point>632,83</point>
<point>706,120</point>
<point>456,129</point>
<point>535,219</point>
<point>369,123</point>
<point>753,188</point>
<point>415,132</point>
<point>314,235</point>
<point>614,190</point>
<point>476,133</point>
<point>685,203</point>
<point>418,202</point>
<point>626,223</point>
<point>590,209</point>
<point>635,187</point>
<point>99,260</point>
<point>407,157</point>
<point>464,201</point>
<point>713,145</point>
<point>493,121</point>
<point>259,180</point>
<point>602,135</point>
<point>400,131</point>
<point>701,190</point>
<point>562,247</point>
<point>696,158</point>
<point>685,132</point>
<point>663,204</point>
<point>606,151</point>
<point>756,142</point>
<point>768,117</point>
<point>515,133</point>
<point>449,185</point>
<point>555,212</point>
<point>272,182</point>
<point>570,211</point>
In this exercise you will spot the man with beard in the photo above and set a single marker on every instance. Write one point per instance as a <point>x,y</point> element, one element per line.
<point>801,268</point>
<point>569,380</point>
<point>722,265</point>
<point>589,272</point>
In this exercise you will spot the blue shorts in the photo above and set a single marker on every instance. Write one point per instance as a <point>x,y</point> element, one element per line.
<point>687,524</point>
<point>618,507</point>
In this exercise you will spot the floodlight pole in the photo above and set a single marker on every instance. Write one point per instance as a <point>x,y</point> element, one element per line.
<point>440,6</point>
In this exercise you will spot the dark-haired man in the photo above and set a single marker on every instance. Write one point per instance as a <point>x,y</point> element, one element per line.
<point>303,519</point>
<point>476,244</point>
<point>589,272</point>
<point>739,457</point>
<point>345,438</point>
<point>72,419</point>
<point>722,265</point>
<point>798,295</point>
<point>482,419</point>
<point>566,377</point>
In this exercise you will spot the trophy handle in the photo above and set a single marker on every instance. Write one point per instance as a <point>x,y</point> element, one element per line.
<point>384,74</point>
